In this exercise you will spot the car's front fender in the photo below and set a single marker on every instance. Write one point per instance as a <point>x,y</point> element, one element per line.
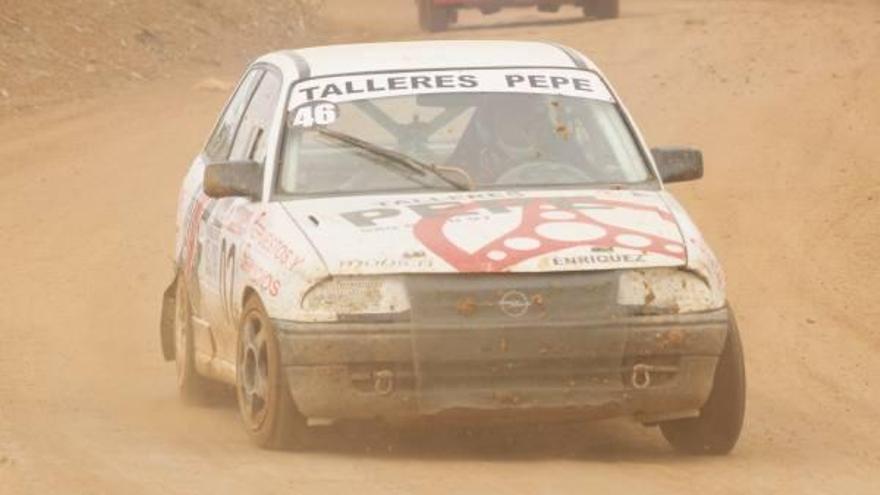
<point>700,257</point>
<point>277,262</point>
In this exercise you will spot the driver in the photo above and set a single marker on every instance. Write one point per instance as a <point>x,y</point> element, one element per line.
<point>509,130</point>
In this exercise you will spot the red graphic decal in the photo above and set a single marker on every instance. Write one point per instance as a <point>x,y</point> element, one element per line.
<point>272,244</point>
<point>259,275</point>
<point>192,233</point>
<point>546,226</point>
<point>240,218</point>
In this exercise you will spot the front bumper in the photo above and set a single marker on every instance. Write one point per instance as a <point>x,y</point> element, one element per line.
<point>651,367</point>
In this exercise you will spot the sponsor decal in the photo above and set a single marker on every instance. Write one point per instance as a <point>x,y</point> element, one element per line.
<point>597,259</point>
<point>337,89</point>
<point>372,85</point>
<point>407,263</point>
<point>259,275</point>
<point>273,245</point>
<point>227,282</point>
<point>193,223</point>
<point>456,208</point>
<point>213,226</point>
<point>239,220</point>
<point>546,225</point>
<point>456,198</point>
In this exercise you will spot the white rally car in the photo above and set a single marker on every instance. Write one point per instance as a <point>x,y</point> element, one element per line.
<point>446,230</point>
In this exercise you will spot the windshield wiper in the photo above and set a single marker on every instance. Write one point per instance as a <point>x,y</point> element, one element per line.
<point>399,158</point>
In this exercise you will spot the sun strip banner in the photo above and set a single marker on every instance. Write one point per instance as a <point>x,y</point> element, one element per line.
<point>339,89</point>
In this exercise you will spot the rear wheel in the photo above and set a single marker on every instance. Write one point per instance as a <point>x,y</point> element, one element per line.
<point>434,18</point>
<point>264,402</point>
<point>716,430</point>
<point>192,387</point>
<point>602,9</point>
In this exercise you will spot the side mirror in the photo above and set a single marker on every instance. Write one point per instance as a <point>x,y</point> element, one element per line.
<point>678,164</point>
<point>234,178</point>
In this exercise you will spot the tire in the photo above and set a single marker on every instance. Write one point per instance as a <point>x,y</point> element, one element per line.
<point>602,9</point>
<point>192,387</point>
<point>716,430</point>
<point>433,18</point>
<point>267,410</point>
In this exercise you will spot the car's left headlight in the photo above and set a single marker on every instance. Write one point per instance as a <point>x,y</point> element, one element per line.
<point>358,298</point>
<point>665,290</point>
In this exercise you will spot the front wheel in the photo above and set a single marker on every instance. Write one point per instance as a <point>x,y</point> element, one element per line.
<point>264,402</point>
<point>602,9</point>
<point>434,18</point>
<point>716,430</point>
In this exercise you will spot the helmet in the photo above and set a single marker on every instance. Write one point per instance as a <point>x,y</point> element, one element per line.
<point>514,124</point>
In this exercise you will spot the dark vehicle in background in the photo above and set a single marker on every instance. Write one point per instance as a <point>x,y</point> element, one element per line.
<point>437,15</point>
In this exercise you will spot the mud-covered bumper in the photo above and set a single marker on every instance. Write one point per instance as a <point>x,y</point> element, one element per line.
<point>651,367</point>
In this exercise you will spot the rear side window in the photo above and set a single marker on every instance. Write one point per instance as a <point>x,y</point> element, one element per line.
<point>220,143</point>
<point>250,140</point>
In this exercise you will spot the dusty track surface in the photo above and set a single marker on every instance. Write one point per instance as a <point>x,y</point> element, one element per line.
<point>781,95</point>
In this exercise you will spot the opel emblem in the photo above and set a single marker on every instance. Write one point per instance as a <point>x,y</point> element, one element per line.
<point>514,303</point>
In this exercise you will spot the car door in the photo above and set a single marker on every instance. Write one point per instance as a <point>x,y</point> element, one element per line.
<point>230,220</point>
<point>195,210</point>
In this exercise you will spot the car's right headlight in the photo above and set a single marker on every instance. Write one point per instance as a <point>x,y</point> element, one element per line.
<point>665,290</point>
<point>358,298</point>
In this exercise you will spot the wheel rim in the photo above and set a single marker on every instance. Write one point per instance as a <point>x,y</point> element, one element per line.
<point>181,335</point>
<point>253,371</point>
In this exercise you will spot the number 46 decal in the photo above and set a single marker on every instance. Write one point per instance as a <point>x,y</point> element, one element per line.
<point>312,114</point>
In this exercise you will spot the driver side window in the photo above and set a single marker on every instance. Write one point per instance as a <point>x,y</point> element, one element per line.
<point>220,143</point>
<point>251,139</point>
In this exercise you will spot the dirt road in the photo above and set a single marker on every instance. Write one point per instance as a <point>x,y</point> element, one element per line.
<point>781,95</point>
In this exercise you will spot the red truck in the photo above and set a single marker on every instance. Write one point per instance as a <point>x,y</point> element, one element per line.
<point>437,15</point>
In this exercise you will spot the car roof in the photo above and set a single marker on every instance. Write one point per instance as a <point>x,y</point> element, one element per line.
<point>423,55</point>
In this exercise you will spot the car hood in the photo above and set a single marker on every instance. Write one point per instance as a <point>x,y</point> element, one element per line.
<point>480,232</point>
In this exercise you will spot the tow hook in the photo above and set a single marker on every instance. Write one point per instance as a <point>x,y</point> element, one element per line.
<point>641,374</point>
<point>383,382</point>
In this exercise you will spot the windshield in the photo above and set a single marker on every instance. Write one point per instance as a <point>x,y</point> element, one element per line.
<point>478,129</point>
